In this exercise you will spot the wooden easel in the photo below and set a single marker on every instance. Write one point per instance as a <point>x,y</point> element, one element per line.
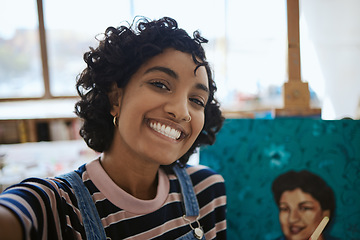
<point>296,93</point>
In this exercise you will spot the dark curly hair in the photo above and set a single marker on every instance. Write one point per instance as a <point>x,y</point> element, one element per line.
<point>308,183</point>
<point>118,56</point>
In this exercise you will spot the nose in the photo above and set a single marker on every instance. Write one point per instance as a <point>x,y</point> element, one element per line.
<point>294,216</point>
<point>177,107</point>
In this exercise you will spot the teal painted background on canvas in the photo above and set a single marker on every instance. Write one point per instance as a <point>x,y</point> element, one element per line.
<point>250,153</point>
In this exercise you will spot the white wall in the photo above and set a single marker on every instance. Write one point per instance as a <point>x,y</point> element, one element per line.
<point>330,44</point>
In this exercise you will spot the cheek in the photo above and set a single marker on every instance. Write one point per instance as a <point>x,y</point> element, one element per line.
<point>198,124</point>
<point>313,218</point>
<point>283,218</point>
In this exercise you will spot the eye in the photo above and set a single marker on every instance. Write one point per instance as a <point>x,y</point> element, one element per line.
<point>305,208</point>
<point>198,102</point>
<point>283,209</point>
<point>160,85</point>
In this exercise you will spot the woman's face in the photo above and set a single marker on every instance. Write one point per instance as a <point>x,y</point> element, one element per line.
<point>154,108</point>
<point>299,214</point>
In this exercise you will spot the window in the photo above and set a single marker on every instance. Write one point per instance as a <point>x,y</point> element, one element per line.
<point>256,53</point>
<point>247,47</point>
<point>20,61</point>
<point>244,37</point>
<point>71,27</point>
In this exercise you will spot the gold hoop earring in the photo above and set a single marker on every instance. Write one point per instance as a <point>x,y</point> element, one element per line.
<point>115,121</point>
<point>189,119</point>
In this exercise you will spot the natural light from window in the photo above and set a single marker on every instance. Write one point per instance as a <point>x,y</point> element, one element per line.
<point>20,61</point>
<point>247,47</point>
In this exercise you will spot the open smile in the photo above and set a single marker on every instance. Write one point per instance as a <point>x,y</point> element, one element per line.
<point>296,229</point>
<point>166,130</point>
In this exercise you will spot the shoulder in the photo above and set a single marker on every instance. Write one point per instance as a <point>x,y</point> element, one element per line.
<point>57,184</point>
<point>202,178</point>
<point>39,185</point>
<point>209,188</point>
<point>201,173</point>
<point>206,181</point>
<point>43,189</point>
<point>38,200</point>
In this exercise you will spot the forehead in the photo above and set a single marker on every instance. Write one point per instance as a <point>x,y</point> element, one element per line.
<point>182,64</point>
<point>296,196</point>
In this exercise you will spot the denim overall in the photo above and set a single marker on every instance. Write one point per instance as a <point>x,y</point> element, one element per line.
<point>92,222</point>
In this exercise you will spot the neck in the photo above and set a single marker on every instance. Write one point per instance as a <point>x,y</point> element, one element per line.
<point>137,179</point>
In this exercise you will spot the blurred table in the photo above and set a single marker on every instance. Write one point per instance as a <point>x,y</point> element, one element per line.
<point>41,159</point>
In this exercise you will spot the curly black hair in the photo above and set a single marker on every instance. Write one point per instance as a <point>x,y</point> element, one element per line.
<point>309,183</point>
<point>119,55</point>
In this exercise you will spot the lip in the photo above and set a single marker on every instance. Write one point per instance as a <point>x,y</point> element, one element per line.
<point>296,229</point>
<point>170,124</point>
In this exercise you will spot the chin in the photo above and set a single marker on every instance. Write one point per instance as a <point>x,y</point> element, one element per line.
<point>299,237</point>
<point>164,160</point>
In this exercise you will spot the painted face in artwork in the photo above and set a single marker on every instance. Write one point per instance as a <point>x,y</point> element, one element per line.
<point>299,214</point>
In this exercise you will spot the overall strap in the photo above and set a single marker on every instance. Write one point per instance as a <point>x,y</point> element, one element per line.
<point>91,220</point>
<point>190,200</point>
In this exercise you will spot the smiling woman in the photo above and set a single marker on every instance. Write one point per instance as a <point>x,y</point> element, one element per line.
<point>147,102</point>
<point>111,72</point>
<point>169,80</point>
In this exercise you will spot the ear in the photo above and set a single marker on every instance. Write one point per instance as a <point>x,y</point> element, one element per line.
<point>115,96</point>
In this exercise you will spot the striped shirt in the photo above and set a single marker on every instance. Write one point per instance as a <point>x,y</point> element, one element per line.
<point>47,208</point>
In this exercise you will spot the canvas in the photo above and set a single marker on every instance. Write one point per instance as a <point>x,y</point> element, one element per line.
<point>251,153</point>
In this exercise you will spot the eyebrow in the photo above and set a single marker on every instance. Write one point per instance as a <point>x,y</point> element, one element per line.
<point>166,70</point>
<point>202,87</point>
<point>299,204</point>
<point>306,202</point>
<point>173,74</point>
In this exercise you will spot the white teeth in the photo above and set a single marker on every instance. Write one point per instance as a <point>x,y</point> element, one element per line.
<point>173,132</point>
<point>165,130</point>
